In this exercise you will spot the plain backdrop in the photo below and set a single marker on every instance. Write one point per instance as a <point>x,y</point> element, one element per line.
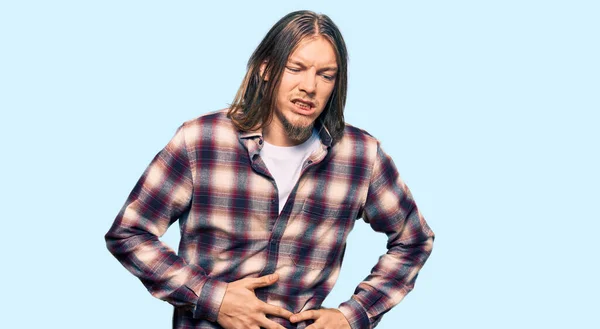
<point>488,108</point>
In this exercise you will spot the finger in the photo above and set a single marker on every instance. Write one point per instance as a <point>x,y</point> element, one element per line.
<point>263,281</point>
<point>277,311</point>
<point>306,315</point>
<point>269,324</point>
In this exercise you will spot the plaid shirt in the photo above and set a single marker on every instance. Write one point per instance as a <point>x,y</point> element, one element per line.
<point>211,177</point>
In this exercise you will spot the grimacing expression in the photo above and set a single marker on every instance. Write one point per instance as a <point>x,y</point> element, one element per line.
<point>306,85</point>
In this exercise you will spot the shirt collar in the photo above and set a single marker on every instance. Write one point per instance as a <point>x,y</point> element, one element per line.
<point>250,134</point>
<point>324,134</point>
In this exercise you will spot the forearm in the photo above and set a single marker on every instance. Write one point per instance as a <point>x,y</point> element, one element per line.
<point>391,279</point>
<point>166,275</point>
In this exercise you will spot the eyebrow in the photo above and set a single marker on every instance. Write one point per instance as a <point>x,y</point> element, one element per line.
<point>327,68</point>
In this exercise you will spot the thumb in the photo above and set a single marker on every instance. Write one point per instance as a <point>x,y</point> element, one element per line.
<point>262,281</point>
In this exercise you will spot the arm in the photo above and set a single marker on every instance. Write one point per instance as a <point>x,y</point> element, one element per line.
<point>389,208</point>
<point>159,198</point>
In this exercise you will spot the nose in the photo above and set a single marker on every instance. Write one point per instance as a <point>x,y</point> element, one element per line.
<point>309,82</point>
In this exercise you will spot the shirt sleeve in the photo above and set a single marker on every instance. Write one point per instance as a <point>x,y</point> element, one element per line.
<point>389,208</point>
<point>161,196</point>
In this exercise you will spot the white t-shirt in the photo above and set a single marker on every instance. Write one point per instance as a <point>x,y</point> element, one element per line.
<point>285,163</point>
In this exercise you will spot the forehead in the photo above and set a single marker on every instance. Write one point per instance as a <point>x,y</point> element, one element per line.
<point>316,51</point>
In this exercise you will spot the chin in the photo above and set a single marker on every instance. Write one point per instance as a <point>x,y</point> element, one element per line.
<point>299,120</point>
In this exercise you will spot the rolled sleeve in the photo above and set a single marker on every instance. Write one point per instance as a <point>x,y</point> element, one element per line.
<point>355,314</point>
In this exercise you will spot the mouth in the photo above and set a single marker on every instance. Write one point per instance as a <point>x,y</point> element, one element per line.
<point>303,106</point>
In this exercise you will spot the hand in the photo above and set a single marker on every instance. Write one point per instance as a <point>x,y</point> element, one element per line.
<point>241,309</point>
<point>325,318</point>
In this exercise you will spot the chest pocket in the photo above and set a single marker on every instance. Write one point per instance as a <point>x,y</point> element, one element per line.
<point>315,237</point>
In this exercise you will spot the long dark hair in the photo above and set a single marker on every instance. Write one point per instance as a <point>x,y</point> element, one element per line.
<point>255,101</point>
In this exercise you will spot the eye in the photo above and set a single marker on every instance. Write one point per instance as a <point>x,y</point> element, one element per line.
<point>293,69</point>
<point>328,77</point>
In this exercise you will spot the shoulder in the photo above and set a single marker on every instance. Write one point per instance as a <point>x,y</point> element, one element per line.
<point>356,146</point>
<point>209,120</point>
<point>357,137</point>
<point>214,127</point>
<point>351,131</point>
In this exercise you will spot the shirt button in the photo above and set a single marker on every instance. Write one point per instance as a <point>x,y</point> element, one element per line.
<point>309,161</point>
<point>254,157</point>
<point>260,141</point>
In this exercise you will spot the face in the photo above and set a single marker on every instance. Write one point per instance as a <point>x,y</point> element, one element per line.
<point>306,85</point>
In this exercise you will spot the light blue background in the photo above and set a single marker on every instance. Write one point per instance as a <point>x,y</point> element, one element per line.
<point>489,109</point>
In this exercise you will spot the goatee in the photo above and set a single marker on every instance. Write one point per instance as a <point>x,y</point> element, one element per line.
<point>294,132</point>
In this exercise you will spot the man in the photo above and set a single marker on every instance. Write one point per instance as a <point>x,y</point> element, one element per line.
<point>266,193</point>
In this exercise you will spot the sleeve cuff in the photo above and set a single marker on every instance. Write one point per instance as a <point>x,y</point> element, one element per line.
<point>355,314</point>
<point>210,299</point>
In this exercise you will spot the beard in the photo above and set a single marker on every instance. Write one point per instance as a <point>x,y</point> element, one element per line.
<point>295,131</point>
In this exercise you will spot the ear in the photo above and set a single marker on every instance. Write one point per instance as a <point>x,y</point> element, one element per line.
<point>262,71</point>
